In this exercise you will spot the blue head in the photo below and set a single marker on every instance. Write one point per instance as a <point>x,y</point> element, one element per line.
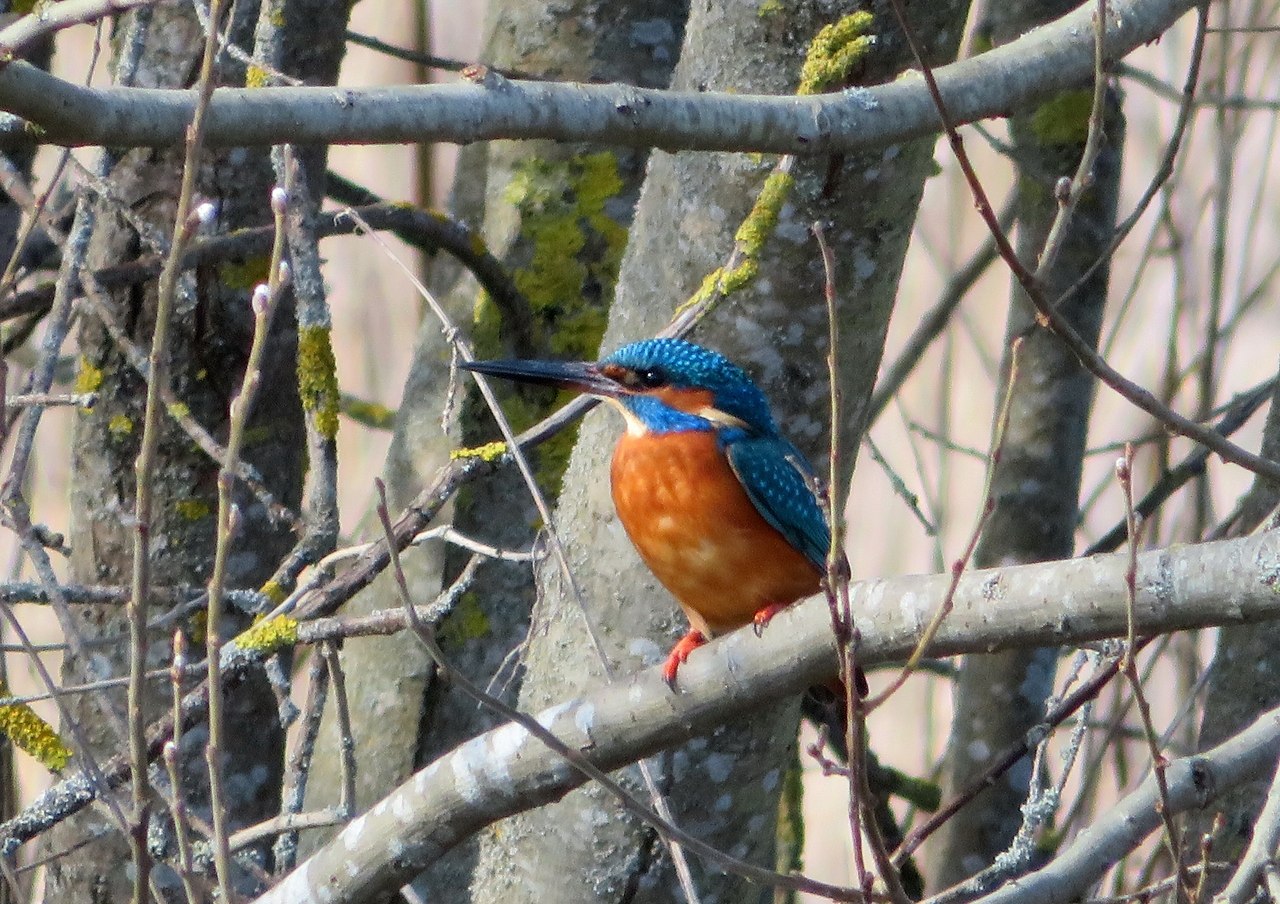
<point>661,385</point>
<point>676,385</point>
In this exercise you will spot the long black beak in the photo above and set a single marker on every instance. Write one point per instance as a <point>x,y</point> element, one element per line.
<point>583,376</point>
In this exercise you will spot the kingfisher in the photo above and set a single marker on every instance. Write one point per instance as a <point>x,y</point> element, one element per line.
<point>719,504</point>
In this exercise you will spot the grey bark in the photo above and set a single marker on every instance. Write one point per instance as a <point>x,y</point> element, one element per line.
<point>1036,483</point>
<point>557,215</point>
<point>213,328</point>
<point>1069,602</point>
<point>37,247</point>
<point>1244,678</point>
<point>723,787</point>
<point>1010,78</point>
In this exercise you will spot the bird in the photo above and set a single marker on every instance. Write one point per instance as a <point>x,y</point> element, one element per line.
<point>719,504</point>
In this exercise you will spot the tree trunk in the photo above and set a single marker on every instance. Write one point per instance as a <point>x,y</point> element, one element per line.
<point>212,330</point>
<point>557,215</point>
<point>1036,483</point>
<point>1244,681</point>
<point>725,788</point>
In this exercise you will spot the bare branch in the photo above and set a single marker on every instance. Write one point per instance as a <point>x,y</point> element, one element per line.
<point>1194,781</point>
<point>1007,78</point>
<point>507,770</point>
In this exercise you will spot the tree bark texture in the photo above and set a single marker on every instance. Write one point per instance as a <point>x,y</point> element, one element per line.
<point>1075,601</point>
<point>557,215</point>
<point>1244,678</point>
<point>1036,482</point>
<point>212,332</point>
<point>724,787</point>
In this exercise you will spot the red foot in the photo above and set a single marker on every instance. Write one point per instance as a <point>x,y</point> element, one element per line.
<point>765,615</point>
<point>680,654</point>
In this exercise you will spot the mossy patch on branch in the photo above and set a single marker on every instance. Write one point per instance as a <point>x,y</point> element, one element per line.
<point>489,452</point>
<point>273,592</point>
<point>32,734</point>
<point>88,377</point>
<point>120,426</point>
<point>466,622</point>
<point>269,634</point>
<point>245,274</point>
<point>829,61</point>
<point>318,378</point>
<point>566,259</point>
<point>1064,119</point>
<point>371,414</point>
<point>193,509</point>
<point>834,51</point>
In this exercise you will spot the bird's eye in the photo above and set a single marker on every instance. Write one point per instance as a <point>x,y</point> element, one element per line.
<point>650,378</point>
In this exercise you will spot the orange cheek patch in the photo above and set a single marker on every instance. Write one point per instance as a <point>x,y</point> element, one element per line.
<point>690,401</point>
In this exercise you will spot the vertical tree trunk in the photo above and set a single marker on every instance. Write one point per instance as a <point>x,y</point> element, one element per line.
<point>724,788</point>
<point>212,332</point>
<point>1244,681</point>
<point>557,215</point>
<point>1036,483</point>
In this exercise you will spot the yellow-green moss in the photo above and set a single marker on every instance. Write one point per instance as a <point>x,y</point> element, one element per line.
<point>488,452</point>
<point>371,414</point>
<point>833,52</point>
<point>770,8</point>
<point>198,627</point>
<point>180,410</point>
<point>318,378</point>
<point>256,77</point>
<point>88,377</point>
<point>120,425</point>
<point>759,224</point>
<point>23,7</point>
<point>258,434</point>
<point>32,734</point>
<point>790,853</point>
<point>273,592</point>
<point>247,273</point>
<point>269,634</point>
<point>565,262</point>
<point>1063,119</point>
<point>571,245</point>
<point>193,509</point>
<point>466,622</point>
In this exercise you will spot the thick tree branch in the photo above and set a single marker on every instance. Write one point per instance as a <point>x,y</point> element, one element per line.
<point>993,84</point>
<point>1194,781</point>
<point>506,770</point>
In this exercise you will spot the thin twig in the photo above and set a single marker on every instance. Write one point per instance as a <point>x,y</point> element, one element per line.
<point>1124,472</point>
<point>178,805</point>
<point>1083,180</point>
<point>264,301</point>
<point>294,793</point>
<point>346,740</point>
<point>959,565</point>
<point>187,219</point>
<point>1051,317</point>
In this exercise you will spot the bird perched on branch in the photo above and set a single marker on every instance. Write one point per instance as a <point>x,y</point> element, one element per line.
<point>718,503</point>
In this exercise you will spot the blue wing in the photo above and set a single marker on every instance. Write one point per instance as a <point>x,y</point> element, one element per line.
<point>777,480</point>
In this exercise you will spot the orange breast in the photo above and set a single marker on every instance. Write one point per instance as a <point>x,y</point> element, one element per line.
<point>700,534</point>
